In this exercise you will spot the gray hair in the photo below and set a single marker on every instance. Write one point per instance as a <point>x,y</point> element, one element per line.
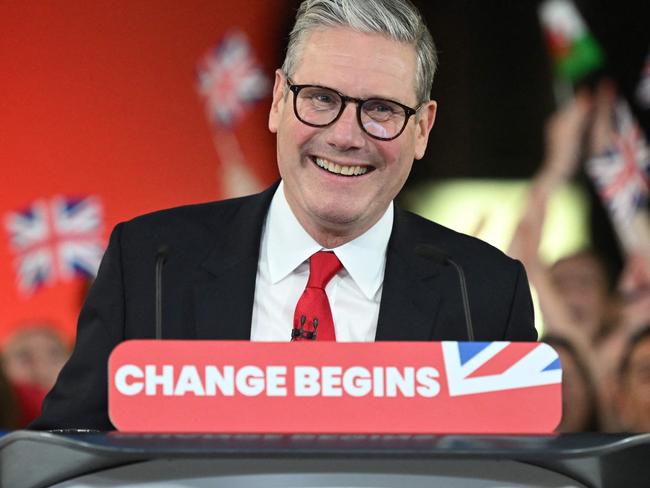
<point>397,19</point>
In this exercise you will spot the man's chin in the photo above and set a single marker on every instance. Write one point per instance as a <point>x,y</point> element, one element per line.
<point>335,214</point>
<point>338,219</point>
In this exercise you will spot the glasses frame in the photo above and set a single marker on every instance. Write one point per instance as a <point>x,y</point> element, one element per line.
<point>345,99</point>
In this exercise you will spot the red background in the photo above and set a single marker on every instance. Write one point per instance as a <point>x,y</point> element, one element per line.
<point>98,98</point>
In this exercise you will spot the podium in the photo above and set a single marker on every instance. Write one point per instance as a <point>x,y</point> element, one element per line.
<point>65,460</point>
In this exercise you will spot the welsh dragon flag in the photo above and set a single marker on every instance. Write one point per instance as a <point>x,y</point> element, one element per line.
<point>574,50</point>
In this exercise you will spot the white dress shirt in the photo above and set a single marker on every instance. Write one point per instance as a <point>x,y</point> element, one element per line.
<point>283,268</point>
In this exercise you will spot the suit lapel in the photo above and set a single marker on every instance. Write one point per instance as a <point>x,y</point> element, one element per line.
<point>410,302</point>
<point>224,291</point>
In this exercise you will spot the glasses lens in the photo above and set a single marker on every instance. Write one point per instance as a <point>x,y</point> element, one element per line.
<point>382,118</point>
<point>317,105</point>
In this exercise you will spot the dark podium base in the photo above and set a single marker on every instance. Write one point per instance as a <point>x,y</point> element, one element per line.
<point>33,459</point>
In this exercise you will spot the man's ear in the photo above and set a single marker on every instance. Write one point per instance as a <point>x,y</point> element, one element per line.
<point>424,122</point>
<point>277,106</point>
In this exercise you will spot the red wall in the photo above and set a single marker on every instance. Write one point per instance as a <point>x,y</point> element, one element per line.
<point>98,98</point>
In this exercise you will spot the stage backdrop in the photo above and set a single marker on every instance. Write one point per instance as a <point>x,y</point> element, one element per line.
<point>103,117</point>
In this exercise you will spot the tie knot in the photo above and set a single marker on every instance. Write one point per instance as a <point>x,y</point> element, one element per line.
<point>322,267</point>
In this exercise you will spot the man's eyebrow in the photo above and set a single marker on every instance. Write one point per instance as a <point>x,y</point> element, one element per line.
<point>371,96</point>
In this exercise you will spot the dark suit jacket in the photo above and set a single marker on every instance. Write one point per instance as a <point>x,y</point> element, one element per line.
<point>209,284</point>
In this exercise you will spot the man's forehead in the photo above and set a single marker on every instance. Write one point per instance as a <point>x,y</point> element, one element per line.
<point>370,64</point>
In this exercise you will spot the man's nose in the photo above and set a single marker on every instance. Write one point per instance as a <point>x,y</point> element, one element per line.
<point>345,133</point>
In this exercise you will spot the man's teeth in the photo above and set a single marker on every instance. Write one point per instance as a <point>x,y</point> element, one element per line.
<point>341,170</point>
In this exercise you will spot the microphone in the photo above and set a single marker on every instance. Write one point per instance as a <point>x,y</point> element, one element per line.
<point>434,254</point>
<point>161,258</point>
<point>298,334</point>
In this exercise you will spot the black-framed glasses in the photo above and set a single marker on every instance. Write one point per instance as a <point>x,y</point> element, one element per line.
<point>320,106</point>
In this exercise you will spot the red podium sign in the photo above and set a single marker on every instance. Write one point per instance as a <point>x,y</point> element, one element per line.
<point>329,387</point>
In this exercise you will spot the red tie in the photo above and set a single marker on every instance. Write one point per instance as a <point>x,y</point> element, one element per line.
<point>313,316</point>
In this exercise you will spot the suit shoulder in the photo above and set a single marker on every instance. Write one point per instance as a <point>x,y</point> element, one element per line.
<point>458,246</point>
<point>191,229</point>
<point>188,214</point>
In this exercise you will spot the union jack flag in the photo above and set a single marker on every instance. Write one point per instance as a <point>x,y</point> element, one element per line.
<point>55,240</point>
<point>481,367</point>
<point>229,79</point>
<point>621,172</point>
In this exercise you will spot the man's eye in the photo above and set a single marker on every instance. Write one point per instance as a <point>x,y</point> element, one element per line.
<point>323,99</point>
<point>379,109</point>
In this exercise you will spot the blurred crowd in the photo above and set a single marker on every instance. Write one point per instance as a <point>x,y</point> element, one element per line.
<point>30,362</point>
<point>598,323</point>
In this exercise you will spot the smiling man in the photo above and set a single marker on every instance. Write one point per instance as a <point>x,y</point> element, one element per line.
<point>322,255</point>
<point>344,160</point>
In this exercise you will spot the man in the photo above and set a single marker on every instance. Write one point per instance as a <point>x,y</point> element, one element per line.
<point>351,111</point>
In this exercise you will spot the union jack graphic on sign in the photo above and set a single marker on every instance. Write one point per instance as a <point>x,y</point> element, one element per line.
<point>482,367</point>
<point>55,240</point>
<point>621,172</point>
<point>229,79</point>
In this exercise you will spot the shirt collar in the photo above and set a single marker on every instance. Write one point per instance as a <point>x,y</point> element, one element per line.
<point>364,258</point>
